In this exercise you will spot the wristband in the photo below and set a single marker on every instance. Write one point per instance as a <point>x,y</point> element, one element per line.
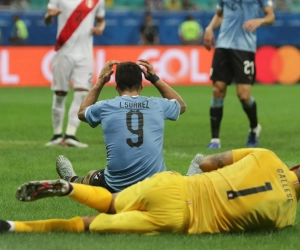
<point>153,78</point>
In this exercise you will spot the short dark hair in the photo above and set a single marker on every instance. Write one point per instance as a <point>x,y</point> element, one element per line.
<point>128,76</point>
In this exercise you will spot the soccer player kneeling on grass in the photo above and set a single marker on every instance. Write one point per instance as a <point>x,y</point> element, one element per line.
<point>245,189</point>
<point>132,125</point>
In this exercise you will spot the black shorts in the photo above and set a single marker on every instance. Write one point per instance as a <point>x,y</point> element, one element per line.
<point>98,179</point>
<point>231,65</point>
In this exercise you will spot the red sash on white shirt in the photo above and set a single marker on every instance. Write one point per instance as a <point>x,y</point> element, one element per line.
<point>73,22</point>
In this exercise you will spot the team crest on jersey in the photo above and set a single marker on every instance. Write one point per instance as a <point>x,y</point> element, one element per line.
<point>89,3</point>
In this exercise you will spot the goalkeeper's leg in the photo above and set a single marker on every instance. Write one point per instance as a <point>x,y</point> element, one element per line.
<point>95,197</point>
<point>140,222</point>
<point>76,225</point>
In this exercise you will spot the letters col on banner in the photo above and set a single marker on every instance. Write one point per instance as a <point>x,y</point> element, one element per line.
<point>181,65</point>
<point>31,66</point>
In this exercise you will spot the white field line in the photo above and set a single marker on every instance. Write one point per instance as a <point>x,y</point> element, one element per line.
<point>19,142</point>
<point>178,154</point>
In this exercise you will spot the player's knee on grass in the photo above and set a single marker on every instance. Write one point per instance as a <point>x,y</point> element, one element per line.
<point>89,178</point>
<point>96,178</point>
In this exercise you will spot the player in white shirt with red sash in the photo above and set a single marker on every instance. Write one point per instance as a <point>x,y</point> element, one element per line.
<point>73,61</point>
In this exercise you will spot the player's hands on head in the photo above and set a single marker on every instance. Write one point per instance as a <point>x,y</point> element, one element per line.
<point>96,31</point>
<point>252,25</point>
<point>107,70</point>
<point>54,12</point>
<point>209,38</point>
<point>147,67</point>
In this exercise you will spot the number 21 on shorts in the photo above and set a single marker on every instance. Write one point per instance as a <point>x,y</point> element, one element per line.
<point>249,67</point>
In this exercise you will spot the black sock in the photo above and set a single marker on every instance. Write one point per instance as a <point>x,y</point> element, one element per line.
<point>216,115</point>
<point>56,136</point>
<point>252,114</point>
<point>70,137</point>
<point>77,179</point>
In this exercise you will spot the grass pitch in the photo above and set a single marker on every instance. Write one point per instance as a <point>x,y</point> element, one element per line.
<point>25,126</point>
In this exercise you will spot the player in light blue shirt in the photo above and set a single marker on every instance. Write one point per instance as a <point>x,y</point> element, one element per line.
<point>133,126</point>
<point>234,59</point>
<point>233,33</point>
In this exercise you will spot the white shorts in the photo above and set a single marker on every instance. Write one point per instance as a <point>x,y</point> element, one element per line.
<point>67,69</point>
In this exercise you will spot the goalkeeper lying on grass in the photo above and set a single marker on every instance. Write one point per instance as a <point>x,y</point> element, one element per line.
<point>245,189</point>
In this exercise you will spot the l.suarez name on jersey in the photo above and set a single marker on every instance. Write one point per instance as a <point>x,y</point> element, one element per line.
<point>144,104</point>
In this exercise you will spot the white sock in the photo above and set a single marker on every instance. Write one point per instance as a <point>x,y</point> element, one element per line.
<point>217,140</point>
<point>257,130</point>
<point>58,113</point>
<point>12,226</point>
<point>73,121</point>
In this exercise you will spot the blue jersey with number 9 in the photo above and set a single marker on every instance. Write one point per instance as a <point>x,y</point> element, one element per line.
<point>133,129</point>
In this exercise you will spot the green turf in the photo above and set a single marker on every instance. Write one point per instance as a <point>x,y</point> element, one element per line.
<point>25,126</point>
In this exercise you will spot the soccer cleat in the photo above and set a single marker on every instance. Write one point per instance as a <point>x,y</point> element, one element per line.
<point>72,141</point>
<point>64,168</point>
<point>35,190</point>
<point>55,140</point>
<point>215,143</point>
<point>4,226</point>
<point>194,166</point>
<point>253,136</point>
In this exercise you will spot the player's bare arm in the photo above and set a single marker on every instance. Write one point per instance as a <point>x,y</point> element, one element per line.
<point>209,38</point>
<point>165,90</point>
<point>50,14</point>
<point>100,26</point>
<point>216,161</point>
<point>268,19</point>
<point>93,95</point>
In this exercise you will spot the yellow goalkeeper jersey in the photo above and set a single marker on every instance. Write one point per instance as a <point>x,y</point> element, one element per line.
<point>258,192</point>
